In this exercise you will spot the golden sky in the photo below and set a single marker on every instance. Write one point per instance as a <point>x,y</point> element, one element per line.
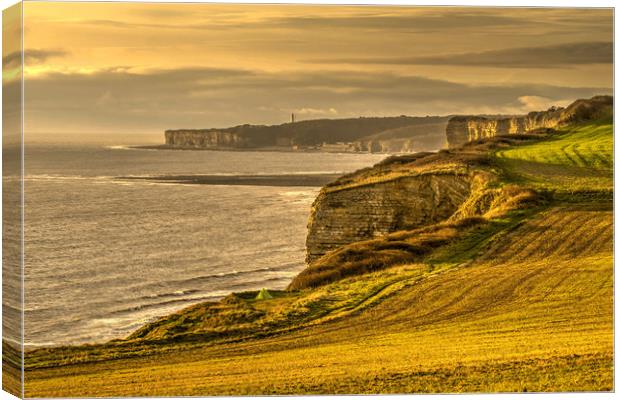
<point>123,67</point>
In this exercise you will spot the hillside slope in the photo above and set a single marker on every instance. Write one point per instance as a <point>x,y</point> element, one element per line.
<point>577,158</point>
<point>514,292</point>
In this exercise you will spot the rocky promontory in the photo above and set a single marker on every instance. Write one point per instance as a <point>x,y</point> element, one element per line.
<point>405,207</point>
<point>399,194</point>
<point>351,214</point>
<point>463,129</point>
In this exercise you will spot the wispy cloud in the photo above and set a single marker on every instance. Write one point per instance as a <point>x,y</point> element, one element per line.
<point>31,56</point>
<point>416,22</point>
<point>561,55</point>
<point>152,67</point>
<point>203,97</point>
<point>385,19</point>
<point>542,103</point>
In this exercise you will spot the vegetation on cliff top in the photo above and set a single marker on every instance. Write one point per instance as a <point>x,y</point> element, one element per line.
<point>519,298</point>
<point>462,129</point>
<point>576,158</point>
<point>399,248</point>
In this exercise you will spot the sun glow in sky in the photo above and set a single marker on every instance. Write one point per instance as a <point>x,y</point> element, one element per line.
<point>123,67</point>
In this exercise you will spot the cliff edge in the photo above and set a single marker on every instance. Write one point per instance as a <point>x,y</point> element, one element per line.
<point>463,129</point>
<point>405,208</point>
<point>403,193</point>
<point>382,200</point>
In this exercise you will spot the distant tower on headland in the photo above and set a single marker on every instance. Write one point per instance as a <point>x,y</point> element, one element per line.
<point>292,118</point>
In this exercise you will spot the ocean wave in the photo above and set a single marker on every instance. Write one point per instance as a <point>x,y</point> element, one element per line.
<point>196,296</point>
<point>235,174</point>
<point>100,179</point>
<point>116,178</point>
<point>164,304</point>
<point>176,293</point>
<point>234,273</point>
<point>39,344</point>
<point>56,177</point>
<point>192,294</point>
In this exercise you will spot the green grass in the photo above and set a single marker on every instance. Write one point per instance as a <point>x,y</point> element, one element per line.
<point>576,159</point>
<point>588,146</point>
<point>465,250</point>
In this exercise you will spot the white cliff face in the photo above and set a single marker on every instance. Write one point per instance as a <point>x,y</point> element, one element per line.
<point>350,215</point>
<point>463,129</point>
<point>197,138</point>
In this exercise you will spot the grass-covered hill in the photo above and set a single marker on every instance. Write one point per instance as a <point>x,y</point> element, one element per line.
<point>512,293</point>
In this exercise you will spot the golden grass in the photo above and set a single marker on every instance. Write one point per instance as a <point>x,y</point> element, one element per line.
<point>11,372</point>
<point>457,162</point>
<point>534,313</point>
<point>398,248</point>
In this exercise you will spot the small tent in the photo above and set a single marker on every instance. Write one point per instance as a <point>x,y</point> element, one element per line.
<point>263,295</point>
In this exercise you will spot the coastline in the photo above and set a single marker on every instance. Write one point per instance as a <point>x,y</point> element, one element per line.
<point>221,148</point>
<point>291,180</point>
<point>489,268</point>
<point>280,149</point>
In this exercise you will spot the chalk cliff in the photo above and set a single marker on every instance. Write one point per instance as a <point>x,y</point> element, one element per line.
<point>407,192</point>
<point>400,193</point>
<point>463,129</point>
<point>350,214</point>
<point>373,134</point>
<point>199,138</point>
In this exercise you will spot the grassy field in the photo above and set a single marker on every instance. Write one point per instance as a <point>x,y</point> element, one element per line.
<point>521,302</point>
<point>589,145</point>
<point>576,159</point>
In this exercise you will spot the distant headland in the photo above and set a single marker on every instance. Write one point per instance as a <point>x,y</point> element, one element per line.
<point>400,134</point>
<point>383,135</point>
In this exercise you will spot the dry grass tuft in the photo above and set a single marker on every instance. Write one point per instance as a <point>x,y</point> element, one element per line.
<point>398,248</point>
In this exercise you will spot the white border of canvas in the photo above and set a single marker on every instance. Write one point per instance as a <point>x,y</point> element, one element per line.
<point>488,3</point>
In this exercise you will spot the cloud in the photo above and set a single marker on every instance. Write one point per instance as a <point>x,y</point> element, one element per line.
<point>308,111</point>
<point>415,22</point>
<point>452,20</point>
<point>120,100</point>
<point>136,25</point>
<point>356,20</point>
<point>31,56</point>
<point>390,18</point>
<point>542,103</point>
<point>561,55</point>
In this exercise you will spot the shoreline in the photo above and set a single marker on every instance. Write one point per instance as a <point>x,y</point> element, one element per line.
<point>289,180</point>
<point>221,148</point>
<point>278,149</point>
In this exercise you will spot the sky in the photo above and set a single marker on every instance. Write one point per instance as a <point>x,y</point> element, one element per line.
<point>140,67</point>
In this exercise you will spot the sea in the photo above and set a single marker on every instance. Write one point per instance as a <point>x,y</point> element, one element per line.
<point>103,256</point>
